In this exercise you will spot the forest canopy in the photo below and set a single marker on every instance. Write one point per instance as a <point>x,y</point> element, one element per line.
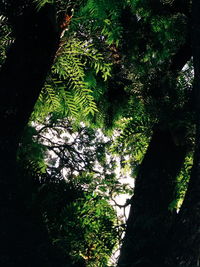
<point>93,92</point>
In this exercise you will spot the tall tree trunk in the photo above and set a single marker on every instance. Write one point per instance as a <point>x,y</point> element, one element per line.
<point>21,79</point>
<point>149,217</point>
<point>185,241</point>
<point>23,74</point>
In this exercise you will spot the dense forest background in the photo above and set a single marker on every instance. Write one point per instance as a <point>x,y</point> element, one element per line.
<point>91,90</point>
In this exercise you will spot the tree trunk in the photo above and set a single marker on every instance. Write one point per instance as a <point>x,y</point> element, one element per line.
<point>185,241</point>
<point>21,80</point>
<point>22,77</point>
<point>150,218</point>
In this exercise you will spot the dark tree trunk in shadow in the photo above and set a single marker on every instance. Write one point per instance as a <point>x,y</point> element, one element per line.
<point>21,79</point>
<point>184,248</point>
<point>150,218</point>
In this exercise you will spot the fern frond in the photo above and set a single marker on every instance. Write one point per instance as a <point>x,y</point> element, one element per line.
<point>135,132</point>
<point>106,17</point>
<point>102,8</point>
<point>68,89</point>
<point>70,66</point>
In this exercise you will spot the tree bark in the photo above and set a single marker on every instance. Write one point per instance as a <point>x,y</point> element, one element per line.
<point>149,217</point>
<point>21,80</point>
<point>185,241</point>
<point>22,77</point>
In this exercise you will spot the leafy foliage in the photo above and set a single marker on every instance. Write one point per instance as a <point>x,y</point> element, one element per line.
<point>69,90</point>
<point>113,65</point>
<point>85,228</point>
<point>5,38</point>
<point>76,212</point>
<point>59,5</point>
<point>182,183</point>
<point>133,136</point>
<point>31,152</point>
<point>105,15</point>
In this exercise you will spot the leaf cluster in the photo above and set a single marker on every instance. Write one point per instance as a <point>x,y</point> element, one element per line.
<point>69,89</point>
<point>80,221</point>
